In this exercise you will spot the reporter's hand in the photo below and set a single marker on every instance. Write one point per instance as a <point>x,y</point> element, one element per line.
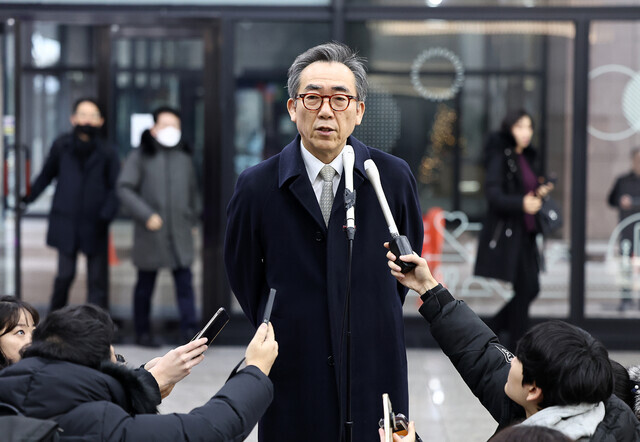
<point>410,437</point>
<point>626,202</point>
<point>263,349</point>
<point>176,364</point>
<point>531,204</point>
<point>419,279</point>
<point>154,222</point>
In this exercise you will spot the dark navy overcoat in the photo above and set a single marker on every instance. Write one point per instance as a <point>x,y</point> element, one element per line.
<point>85,200</point>
<point>276,237</point>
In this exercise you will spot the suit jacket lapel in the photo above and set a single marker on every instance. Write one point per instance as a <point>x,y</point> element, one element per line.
<point>292,173</point>
<point>362,154</point>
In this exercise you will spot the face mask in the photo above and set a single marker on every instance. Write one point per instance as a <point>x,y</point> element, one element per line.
<point>169,136</point>
<point>86,129</point>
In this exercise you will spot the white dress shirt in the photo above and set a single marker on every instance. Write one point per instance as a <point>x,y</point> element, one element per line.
<point>313,166</point>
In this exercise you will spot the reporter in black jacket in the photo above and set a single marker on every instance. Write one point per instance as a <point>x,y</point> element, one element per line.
<point>557,367</point>
<point>66,375</point>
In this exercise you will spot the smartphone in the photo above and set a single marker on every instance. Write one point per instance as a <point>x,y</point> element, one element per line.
<point>393,423</point>
<point>214,326</point>
<point>269,306</point>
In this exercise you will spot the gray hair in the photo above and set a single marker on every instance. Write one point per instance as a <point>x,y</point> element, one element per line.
<point>330,52</point>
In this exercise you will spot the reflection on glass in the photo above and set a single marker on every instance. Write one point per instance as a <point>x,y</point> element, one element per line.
<point>437,89</point>
<point>613,269</point>
<point>122,49</point>
<point>140,51</point>
<point>49,99</point>
<point>51,44</point>
<point>262,54</point>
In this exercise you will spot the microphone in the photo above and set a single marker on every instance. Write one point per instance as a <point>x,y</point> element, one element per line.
<point>399,244</point>
<point>348,159</point>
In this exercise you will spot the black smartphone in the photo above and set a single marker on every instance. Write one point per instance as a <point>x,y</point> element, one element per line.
<point>214,326</point>
<point>267,310</point>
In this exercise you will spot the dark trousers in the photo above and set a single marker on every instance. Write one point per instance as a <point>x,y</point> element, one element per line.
<point>512,321</point>
<point>97,280</point>
<point>182,279</point>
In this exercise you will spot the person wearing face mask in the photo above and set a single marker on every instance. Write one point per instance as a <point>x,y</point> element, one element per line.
<point>85,168</point>
<point>507,247</point>
<point>158,189</point>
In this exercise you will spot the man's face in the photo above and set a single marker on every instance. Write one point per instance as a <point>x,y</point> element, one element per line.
<point>87,114</point>
<point>165,119</point>
<point>324,131</point>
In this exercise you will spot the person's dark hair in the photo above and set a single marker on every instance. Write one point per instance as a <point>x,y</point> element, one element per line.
<point>10,310</point>
<point>80,334</point>
<point>566,362</point>
<point>166,109</point>
<point>333,52</point>
<point>529,433</point>
<point>512,118</point>
<point>622,384</point>
<point>87,99</point>
<point>634,384</point>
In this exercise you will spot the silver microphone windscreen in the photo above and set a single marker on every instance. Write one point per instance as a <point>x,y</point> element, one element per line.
<point>371,170</point>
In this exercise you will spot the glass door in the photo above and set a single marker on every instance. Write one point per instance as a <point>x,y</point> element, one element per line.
<point>11,164</point>
<point>152,67</point>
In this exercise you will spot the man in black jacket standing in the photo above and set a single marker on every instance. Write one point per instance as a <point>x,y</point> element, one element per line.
<point>85,202</point>
<point>560,376</point>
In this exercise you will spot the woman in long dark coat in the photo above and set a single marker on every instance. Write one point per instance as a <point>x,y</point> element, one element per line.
<point>507,248</point>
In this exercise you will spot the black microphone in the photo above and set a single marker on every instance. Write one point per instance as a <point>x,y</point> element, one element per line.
<point>348,159</point>
<point>399,244</point>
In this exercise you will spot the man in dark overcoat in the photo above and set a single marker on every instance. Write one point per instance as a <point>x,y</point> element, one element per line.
<point>158,188</point>
<point>85,168</point>
<point>278,237</point>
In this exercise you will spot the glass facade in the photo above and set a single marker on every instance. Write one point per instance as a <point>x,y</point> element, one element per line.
<point>438,88</point>
<point>613,231</point>
<point>262,55</point>
<point>58,63</point>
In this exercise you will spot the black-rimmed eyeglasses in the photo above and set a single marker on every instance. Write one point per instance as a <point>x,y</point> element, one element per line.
<point>337,102</point>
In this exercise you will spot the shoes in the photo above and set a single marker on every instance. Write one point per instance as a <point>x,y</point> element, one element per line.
<point>146,340</point>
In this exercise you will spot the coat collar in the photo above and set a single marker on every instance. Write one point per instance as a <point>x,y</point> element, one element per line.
<point>291,164</point>
<point>292,172</point>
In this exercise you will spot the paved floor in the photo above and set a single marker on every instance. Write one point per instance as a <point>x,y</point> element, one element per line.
<point>441,404</point>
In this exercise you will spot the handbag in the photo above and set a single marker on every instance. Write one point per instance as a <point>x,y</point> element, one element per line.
<point>549,216</point>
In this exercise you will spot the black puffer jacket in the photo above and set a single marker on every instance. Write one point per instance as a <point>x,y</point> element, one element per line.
<point>119,404</point>
<point>484,365</point>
